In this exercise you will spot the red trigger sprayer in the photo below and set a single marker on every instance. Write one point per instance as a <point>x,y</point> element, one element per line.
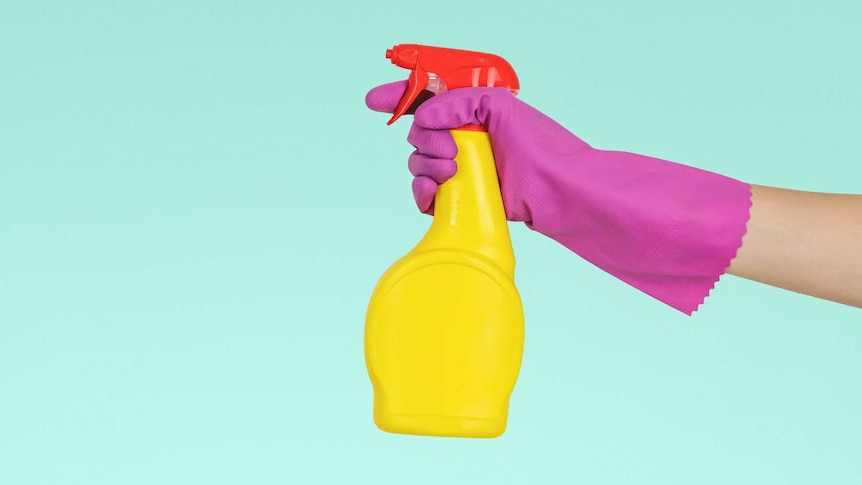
<point>444,332</point>
<point>437,69</point>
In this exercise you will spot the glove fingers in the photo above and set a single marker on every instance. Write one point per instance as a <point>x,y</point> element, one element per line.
<point>455,108</point>
<point>438,169</point>
<point>424,190</point>
<point>385,98</point>
<point>432,143</point>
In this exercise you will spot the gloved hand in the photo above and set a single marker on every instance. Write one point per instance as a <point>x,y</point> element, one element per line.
<point>667,229</point>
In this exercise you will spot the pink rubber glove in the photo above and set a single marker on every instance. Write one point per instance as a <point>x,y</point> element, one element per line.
<point>667,229</point>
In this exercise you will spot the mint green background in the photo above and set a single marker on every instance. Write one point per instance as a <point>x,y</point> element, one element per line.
<point>195,206</point>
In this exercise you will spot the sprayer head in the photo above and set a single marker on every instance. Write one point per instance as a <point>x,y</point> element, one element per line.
<point>438,69</point>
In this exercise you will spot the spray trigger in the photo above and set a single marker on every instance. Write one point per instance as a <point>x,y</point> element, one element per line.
<point>416,83</point>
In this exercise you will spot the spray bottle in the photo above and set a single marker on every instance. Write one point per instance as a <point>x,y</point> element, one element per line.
<point>444,330</point>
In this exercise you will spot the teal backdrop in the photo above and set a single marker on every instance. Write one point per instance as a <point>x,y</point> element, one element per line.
<point>195,205</point>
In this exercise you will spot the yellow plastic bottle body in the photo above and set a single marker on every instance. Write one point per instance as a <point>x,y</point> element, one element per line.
<point>444,331</point>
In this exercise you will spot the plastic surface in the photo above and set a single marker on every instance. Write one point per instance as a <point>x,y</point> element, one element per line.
<point>448,69</point>
<point>444,331</point>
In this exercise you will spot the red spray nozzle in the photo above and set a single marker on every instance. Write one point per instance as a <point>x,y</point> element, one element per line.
<point>437,69</point>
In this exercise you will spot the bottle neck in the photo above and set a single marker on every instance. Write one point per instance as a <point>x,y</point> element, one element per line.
<point>468,208</point>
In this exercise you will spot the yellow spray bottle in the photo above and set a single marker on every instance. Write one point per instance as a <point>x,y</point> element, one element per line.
<point>444,332</point>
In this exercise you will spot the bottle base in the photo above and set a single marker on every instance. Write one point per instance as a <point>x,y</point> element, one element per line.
<point>443,426</point>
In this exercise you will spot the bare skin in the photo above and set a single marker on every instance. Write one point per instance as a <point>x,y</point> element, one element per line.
<point>806,242</point>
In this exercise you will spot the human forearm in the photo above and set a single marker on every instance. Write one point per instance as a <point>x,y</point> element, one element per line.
<point>806,242</point>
